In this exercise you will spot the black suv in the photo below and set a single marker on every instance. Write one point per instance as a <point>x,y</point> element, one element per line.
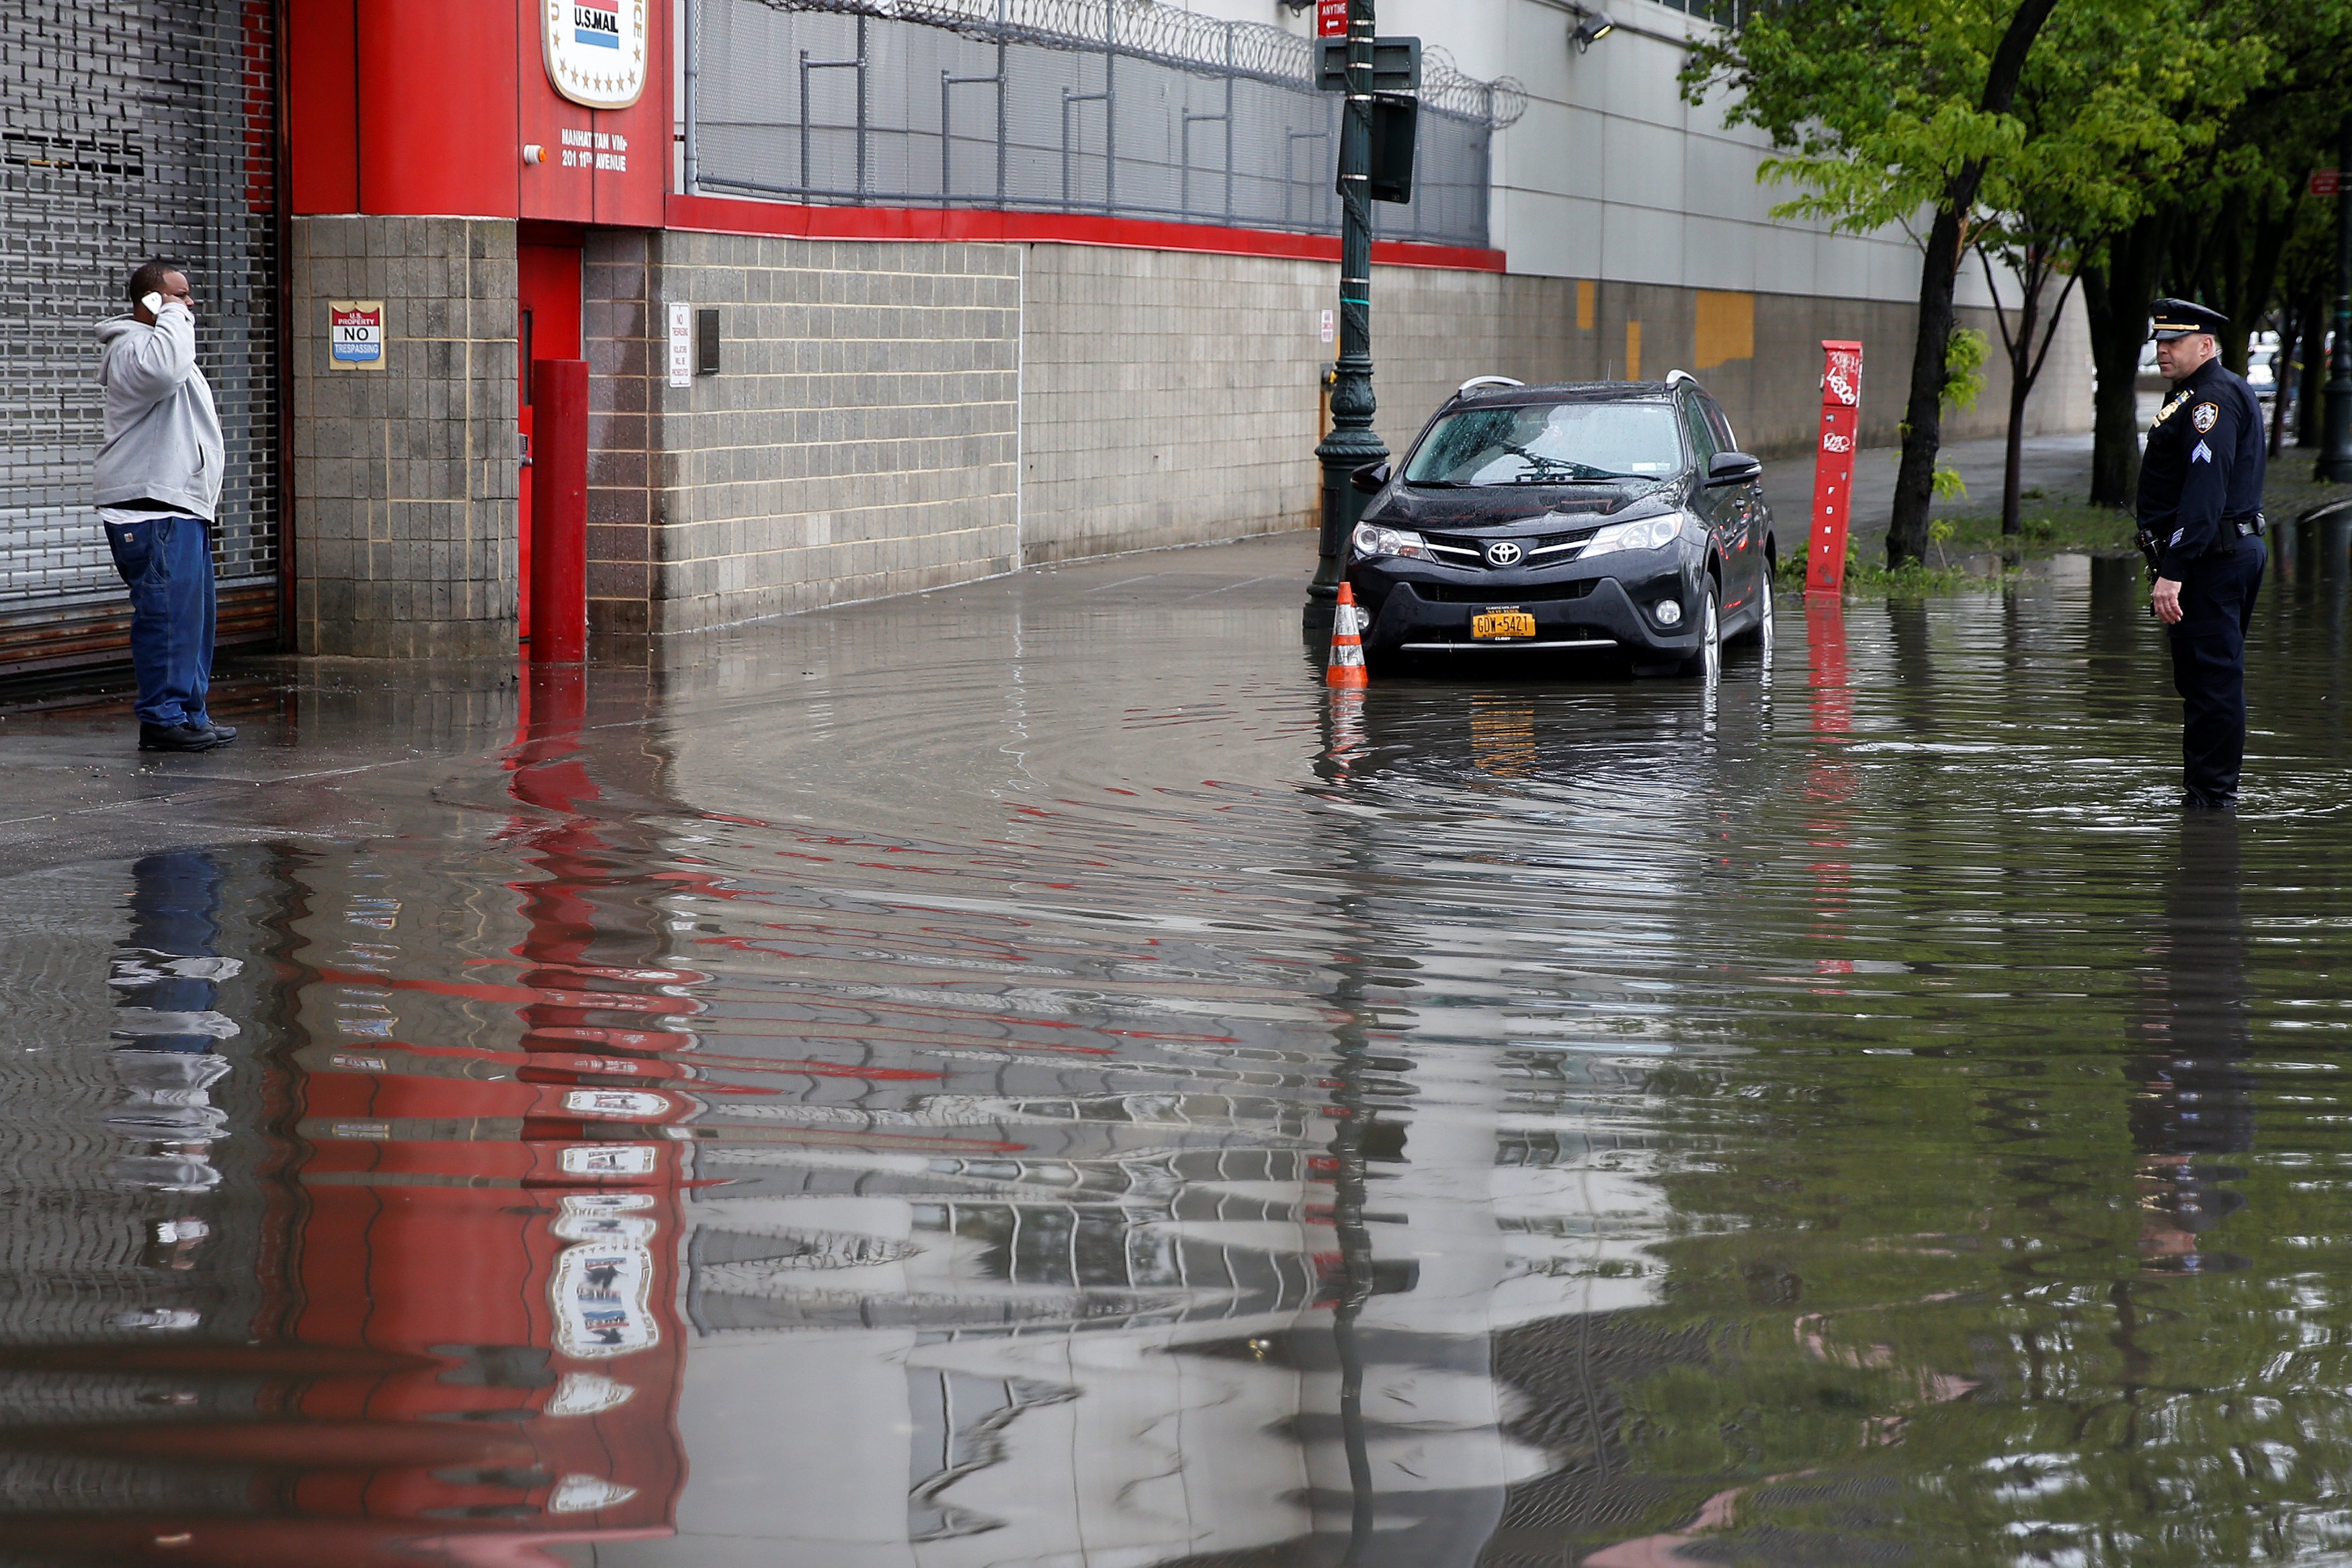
<point>1602,516</point>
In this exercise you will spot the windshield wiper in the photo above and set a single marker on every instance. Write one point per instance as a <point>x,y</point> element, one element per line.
<point>1552,465</point>
<point>1577,473</point>
<point>1435,484</point>
<point>1556,470</point>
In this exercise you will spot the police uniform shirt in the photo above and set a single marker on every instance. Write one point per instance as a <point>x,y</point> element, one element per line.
<point>2202,472</point>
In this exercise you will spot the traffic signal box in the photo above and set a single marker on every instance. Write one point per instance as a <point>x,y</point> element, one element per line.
<point>1396,107</point>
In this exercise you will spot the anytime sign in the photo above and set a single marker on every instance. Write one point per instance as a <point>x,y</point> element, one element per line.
<point>595,50</point>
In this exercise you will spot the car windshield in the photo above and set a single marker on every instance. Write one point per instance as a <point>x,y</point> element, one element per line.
<point>1549,444</point>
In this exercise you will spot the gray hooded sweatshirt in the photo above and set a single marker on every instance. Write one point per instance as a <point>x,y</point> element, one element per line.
<point>163,437</point>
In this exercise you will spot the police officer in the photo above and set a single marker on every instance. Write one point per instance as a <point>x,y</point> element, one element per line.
<point>2200,522</point>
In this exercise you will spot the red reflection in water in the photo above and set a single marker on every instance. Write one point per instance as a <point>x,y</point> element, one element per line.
<point>471,1353</point>
<point>1831,781</point>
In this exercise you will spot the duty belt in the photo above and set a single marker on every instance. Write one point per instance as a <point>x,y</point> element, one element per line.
<point>2248,528</point>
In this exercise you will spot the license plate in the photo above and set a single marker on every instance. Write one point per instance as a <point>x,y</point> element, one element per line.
<point>1498,623</point>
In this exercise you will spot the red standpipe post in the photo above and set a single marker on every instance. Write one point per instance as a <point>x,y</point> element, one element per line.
<point>1833,465</point>
<point>559,512</point>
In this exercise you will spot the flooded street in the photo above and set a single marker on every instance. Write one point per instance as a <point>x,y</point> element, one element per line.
<point>1021,1076</point>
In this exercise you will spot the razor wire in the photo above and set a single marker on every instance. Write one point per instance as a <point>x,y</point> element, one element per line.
<point>1124,107</point>
<point>1150,30</point>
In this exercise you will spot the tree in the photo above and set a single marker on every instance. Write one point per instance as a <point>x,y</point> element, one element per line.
<point>2099,110</point>
<point>2034,261</point>
<point>1886,108</point>
<point>2219,222</point>
<point>2306,295</point>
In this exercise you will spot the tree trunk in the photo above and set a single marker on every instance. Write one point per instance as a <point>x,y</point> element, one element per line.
<point>2013,459</point>
<point>2115,298</point>
<point>1923,415</point>
<point>1923,422</point>
<point>2311,394</point>
<point>2283,375</point>
<point>2022,365</point>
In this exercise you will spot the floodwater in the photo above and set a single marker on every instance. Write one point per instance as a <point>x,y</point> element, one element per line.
<point>1023,1077</point>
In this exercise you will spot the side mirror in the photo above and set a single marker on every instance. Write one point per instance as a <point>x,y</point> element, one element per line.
<point>1733,468</point>
<point>1371,478</point>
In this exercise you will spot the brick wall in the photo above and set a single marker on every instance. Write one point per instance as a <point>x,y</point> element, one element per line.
<point>858,440</point>
<point>1166,399</point>
<point>405,478</point>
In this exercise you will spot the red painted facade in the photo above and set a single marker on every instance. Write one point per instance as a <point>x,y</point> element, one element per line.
<point>725,215</point>
<point>423,107</point>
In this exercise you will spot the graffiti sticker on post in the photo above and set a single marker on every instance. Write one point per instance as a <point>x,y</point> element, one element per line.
<point>1833,465</point>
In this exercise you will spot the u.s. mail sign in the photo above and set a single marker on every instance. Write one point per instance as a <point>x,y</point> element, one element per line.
<point>595,50</point>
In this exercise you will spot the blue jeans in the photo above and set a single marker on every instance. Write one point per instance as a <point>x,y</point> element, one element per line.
<point>166,562</point>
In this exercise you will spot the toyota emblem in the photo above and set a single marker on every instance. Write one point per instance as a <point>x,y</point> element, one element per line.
<point>1503,552</point>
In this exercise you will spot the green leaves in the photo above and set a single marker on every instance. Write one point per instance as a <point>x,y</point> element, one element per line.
<point>1877,107</point>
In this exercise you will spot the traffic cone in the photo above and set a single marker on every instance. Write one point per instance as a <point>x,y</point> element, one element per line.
<point>1347,665</point>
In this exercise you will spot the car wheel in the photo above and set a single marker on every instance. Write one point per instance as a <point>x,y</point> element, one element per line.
<point>1760,636</point>
<point>1707,663</point>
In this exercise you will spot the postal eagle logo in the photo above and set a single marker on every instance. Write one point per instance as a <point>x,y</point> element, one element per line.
<point>595,50</point>
<point>2204,415</point>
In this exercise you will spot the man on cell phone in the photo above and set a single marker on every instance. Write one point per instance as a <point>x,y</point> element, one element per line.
<point>158,481</point>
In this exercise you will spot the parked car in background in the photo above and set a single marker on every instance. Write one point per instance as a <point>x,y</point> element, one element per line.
<point>2262,365</point>
<point>1595,517</point>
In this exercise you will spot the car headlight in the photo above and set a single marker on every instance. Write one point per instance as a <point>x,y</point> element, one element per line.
<point>1372,539</point>
<point>1650,533</point>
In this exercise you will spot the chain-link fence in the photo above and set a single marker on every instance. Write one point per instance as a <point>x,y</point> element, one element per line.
<point>1121,108</point>
<point>131,129</point>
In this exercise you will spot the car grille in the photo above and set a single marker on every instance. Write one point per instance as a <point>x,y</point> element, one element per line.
<point>1519,594</point>
<point>1546,549</point>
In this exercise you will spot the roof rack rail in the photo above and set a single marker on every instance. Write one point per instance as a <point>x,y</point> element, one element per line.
<point>1474,382</point>
<point>1674,377</point>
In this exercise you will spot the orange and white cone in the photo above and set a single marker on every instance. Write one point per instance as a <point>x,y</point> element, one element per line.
<point>1347,665</point>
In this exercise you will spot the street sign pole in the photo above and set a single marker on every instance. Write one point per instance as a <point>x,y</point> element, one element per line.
<point>2335,457</point>
<point>1352,441</point>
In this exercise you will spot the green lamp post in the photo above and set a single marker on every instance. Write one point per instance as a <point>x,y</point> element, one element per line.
<point>1352,441</point>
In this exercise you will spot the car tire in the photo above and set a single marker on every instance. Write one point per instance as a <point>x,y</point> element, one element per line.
<point>1760,636</point>
<point>1707,663</point>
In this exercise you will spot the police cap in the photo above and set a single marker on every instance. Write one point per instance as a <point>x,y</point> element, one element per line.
<point>2178,318</point>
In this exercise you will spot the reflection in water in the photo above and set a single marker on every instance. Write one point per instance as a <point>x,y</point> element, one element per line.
<point>166,979</point>
<point>2195,1091</point>
<point>792,1108</point>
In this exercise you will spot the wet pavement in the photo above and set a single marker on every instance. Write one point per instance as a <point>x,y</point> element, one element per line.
<point>1021,1076</point>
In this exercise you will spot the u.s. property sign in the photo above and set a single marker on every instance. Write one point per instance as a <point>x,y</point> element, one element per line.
<point>595,50</point>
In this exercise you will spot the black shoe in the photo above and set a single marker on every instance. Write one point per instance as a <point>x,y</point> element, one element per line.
<point>225,732</point>
<point>2193,801</point>
<point>177,737</point>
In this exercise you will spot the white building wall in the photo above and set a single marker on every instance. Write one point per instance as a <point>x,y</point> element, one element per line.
<point>1609,175</point>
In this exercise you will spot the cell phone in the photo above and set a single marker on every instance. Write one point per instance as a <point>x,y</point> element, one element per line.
<point>154,303</point>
